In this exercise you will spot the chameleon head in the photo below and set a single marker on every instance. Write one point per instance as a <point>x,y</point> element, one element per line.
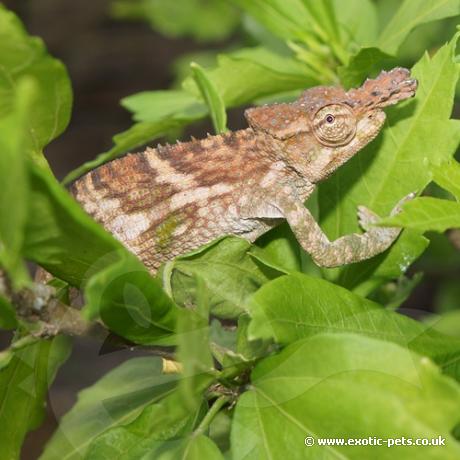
<point>327,125</point>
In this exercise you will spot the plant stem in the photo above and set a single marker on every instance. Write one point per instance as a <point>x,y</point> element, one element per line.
<point>208,418</point>
<point>46,316</point>
<point>23,342</point>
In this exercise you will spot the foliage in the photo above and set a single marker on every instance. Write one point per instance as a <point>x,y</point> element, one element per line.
<point>307,353</point>
<point>204,20</point>
<point>24,381</point>
<point>22,56</point>
<point>372,380</point>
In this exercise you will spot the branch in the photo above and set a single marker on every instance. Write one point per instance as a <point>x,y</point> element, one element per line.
<point>38,306</point>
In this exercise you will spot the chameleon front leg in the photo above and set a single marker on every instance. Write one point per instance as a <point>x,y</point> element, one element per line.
<point>346,249</point>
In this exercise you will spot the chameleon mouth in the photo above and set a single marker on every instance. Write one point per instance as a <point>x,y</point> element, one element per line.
<point>387,89</point>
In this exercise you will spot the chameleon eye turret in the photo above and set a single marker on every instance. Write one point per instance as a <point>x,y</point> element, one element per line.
<point>334,125</point>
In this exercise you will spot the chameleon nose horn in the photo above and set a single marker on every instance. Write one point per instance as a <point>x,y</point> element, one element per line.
<point>387,89</point>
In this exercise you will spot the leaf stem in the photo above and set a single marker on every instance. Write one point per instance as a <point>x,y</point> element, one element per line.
<point>208,418</point>
<point>24,342</point>
<point>212,98</point>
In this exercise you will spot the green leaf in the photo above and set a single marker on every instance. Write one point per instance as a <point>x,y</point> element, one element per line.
<point>325,25</point>
<point>358,21</point>
<point>448,322</point>
<point>312,22</point>
<point>411,14</point>
<point>22,55</point>
<point>133,304</point>
<point>229,273</point>
<point>23,387</point>
<point>427,213</point>
<point>194,448</point>
<point>393,294</point>
<point>165,428</point>
<point>17,345</point>
<point>440,256</point>
<point>447,176</point>
<point>115,400</point>
<point>156,106</point>
<point>299,306</point>
<point>5,358</point>
<point>204,20</point>
<point>345,386</point>
<point>163,431</point>
<point>201,447</point>
<point>323,15</point>
<point>367,63</point>
<point>212,97</point>
<point>248,347</point>
<point>193,351</point>
<point>288,19</point>
<point>394,165</point>
<point>7,315</point>
<point>13,177</point>
<point>249,74</point>
<point>278,249</point>
<point>447,296</point>
<point>158,430</point>
<point>429,36</point>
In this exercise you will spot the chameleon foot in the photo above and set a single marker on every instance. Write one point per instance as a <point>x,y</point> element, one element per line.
<point>366,218</point>
<point>398,207</point>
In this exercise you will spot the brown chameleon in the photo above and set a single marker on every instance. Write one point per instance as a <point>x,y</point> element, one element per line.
<point>170,200</point>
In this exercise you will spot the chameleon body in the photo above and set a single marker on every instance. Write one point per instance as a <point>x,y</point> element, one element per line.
<point>167,201</point>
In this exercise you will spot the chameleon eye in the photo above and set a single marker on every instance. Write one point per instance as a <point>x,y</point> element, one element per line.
<point>334,125</point>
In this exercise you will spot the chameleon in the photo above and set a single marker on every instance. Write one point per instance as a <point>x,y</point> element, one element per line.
<point>169,200</point>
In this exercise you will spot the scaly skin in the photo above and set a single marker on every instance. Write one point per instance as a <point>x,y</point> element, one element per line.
<point>170,200</point>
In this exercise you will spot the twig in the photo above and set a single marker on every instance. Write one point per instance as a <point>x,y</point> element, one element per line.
<point>38,304</point>
<point>208,418</point>
<point>48,317</point>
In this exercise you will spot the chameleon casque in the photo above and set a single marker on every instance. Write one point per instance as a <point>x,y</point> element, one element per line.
<point>167,201</point>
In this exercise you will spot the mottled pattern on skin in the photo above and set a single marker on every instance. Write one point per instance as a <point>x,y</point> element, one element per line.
<point>170,200</point>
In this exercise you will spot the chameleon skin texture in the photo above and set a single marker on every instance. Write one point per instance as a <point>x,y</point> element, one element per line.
<point>167,201</point>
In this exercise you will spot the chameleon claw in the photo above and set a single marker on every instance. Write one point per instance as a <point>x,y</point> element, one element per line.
<point>400,204</point>
<point>366,218</point>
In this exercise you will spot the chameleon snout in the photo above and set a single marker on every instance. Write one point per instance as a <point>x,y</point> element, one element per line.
<point>393,87</point>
